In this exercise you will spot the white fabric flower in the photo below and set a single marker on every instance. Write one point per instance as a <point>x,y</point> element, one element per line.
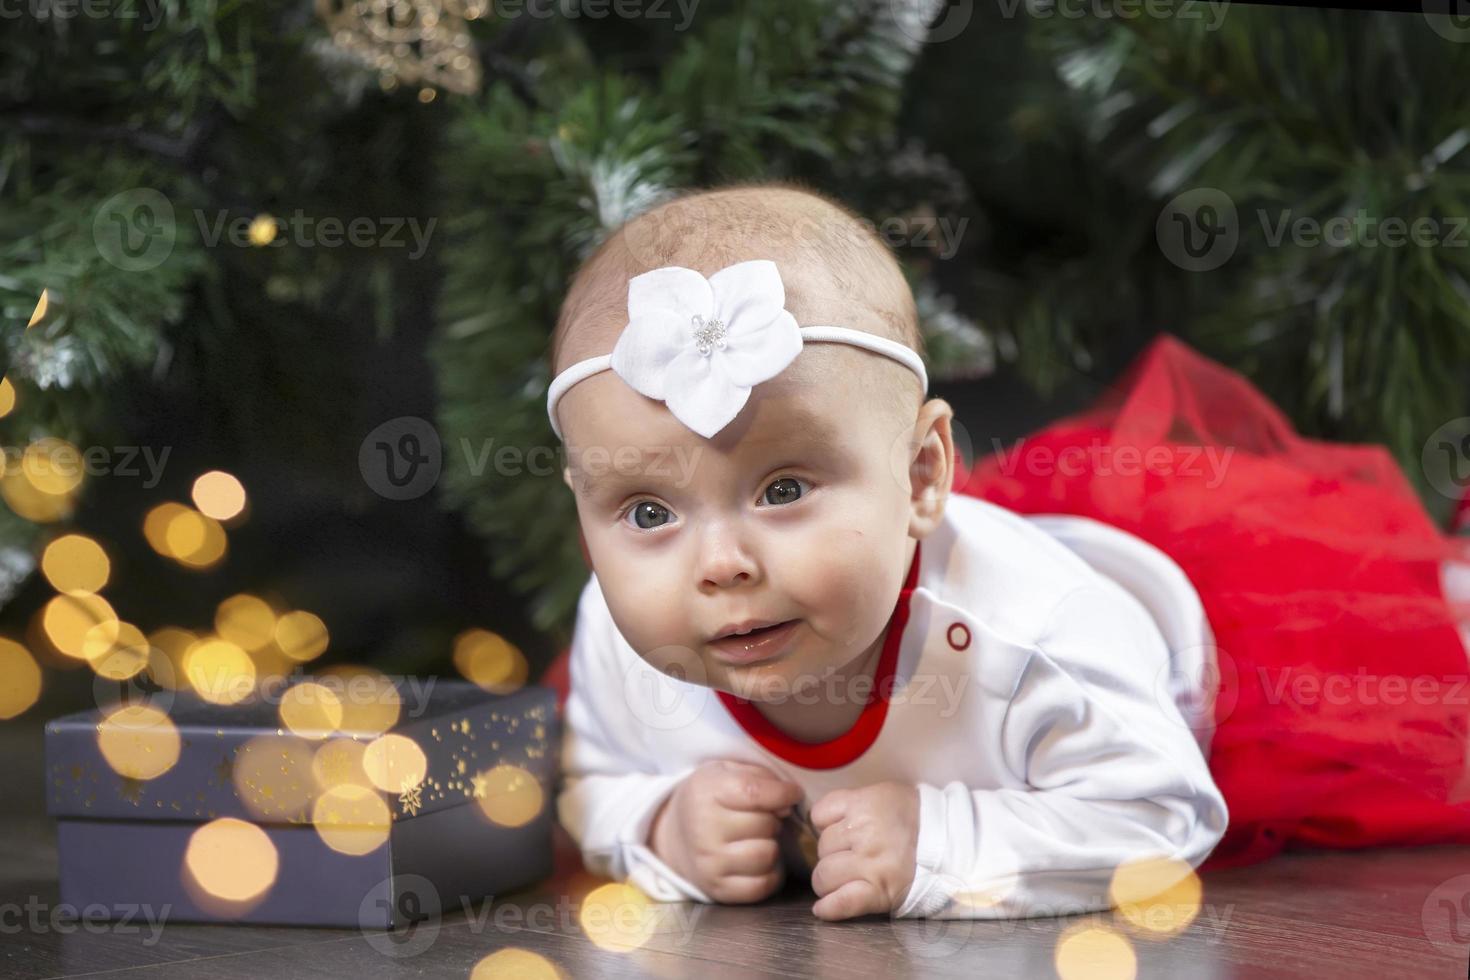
<point>699,345</point>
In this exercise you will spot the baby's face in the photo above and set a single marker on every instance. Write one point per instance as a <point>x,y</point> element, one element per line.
<point>797,512</point>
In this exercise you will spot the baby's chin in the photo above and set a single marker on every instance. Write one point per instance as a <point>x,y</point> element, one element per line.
<point>767,681</point>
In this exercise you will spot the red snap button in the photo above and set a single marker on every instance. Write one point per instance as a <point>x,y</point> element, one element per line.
<point>959,635</point>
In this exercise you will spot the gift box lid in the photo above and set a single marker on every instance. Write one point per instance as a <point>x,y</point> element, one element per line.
<point>452,744</point>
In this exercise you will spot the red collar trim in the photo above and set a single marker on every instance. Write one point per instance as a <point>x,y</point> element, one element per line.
<point>841,749</point>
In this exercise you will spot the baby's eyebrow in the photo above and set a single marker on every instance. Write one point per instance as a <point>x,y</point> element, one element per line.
<point>803,431</point>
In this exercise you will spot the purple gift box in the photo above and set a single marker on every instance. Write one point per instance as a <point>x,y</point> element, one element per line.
<point>255,823</point>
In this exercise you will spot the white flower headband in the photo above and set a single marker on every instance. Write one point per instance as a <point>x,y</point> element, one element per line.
<point>699,345</point>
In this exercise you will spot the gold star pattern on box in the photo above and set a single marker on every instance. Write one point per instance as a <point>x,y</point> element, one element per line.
<point>411,799</point>
<point>458,772</point>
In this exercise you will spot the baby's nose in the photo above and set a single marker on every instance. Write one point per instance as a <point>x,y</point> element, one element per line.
<point>724,559</point>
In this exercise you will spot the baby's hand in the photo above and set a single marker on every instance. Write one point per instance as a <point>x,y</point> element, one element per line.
<point>867,849</point>
<point>719,829</point>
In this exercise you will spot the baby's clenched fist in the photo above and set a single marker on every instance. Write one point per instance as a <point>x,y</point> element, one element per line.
<point>866,853</point>
<point>719,829</point>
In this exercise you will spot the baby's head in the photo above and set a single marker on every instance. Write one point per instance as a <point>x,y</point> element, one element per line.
<point>806,506</point>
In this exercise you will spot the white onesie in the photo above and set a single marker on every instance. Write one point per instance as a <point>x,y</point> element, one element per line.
<point>1050,688</point>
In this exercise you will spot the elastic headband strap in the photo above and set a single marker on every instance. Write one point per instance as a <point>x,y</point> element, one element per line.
<point>582,370</point>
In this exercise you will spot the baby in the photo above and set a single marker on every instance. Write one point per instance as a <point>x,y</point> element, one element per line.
<point>790,620</point>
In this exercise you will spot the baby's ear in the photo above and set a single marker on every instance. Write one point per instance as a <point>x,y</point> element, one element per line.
<point>931,470</point>
<point>566,477</point>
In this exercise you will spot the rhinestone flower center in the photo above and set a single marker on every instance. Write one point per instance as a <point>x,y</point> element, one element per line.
<point>708,334</point>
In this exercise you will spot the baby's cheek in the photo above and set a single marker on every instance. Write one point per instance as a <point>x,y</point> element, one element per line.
<point>843,586</point>
<point>647,618</point>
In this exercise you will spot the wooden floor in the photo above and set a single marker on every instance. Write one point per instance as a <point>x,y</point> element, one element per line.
<point>1322,915</point>
<point>1333,915</point>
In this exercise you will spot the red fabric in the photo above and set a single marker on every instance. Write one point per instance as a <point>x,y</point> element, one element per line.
<point>841,749</point>
<point>1320,573</point>
<point>1460,520</point>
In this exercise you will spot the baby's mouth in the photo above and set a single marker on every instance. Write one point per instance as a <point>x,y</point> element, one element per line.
<point>751,633</point>
<point>755,644</point>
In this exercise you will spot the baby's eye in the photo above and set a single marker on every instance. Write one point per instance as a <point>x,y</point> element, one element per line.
<point>648,515</point>
<point>783,491</point>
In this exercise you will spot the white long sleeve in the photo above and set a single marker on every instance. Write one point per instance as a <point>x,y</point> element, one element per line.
<point>1113,776</point>
<point>1043,679</point>
<point>611,787</point>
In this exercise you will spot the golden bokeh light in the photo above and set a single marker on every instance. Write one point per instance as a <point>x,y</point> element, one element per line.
<point>32,504</point>
<point>67,619</point>
<point>116,650</point>
<point>53,466</point>
<point>232,860</point>
<point>514,963</point>
<point>371,703</point>
<point>42,306</point>
<point>301,635</point>
<point>311,710</point>
<point>395,763</point>
<point>20,679</point>
<point>7,397</point>
<point>263,230</point>
<point>75,563</point>
<point>617,917</point>
<point>1160,896</point>
<point>245,620</point>
<point>219,671</point>
<point>138,741</point>
<point>271,663</point>
<point>185,535</point>
<point>338,762</point>
<point>509,795</point>
<point>171,643</point>
<point>1089,952</point>
<point>273,777</point>
<point>490,661</point>
<point>155,526</point>
<point>211,547</point>
<point>219,495</point>
<point>351,819</point>
<point>988,896</point>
